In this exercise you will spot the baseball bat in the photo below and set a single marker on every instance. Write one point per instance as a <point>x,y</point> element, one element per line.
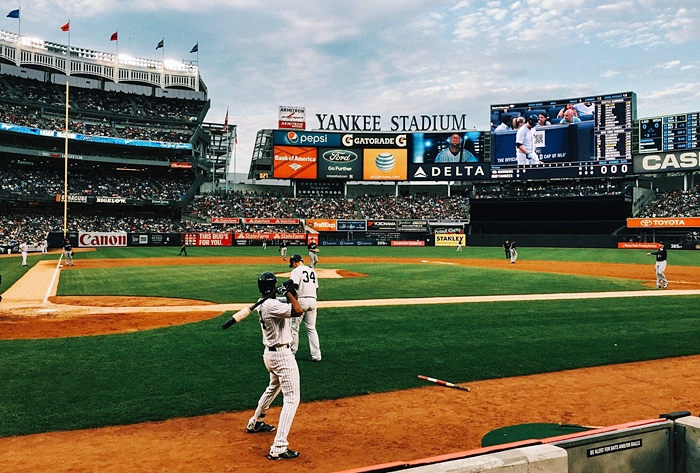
<point>443,383</point>
<point>243,313</point>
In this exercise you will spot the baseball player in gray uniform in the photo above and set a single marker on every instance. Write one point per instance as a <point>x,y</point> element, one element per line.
<point>307,282</point>
<point>661,258</point>
<point>279,360</point>
<point>68,253</point>
<point>283,250</point>
<point>313,254</point>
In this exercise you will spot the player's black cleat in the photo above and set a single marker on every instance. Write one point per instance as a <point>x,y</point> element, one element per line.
<point>286,455</point>
<point>257,427</point>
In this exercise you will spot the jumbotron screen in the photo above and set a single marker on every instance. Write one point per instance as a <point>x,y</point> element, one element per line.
<point>574,137</point>
<point>669,133</point>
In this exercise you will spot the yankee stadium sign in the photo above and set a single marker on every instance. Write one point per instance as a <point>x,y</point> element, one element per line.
<point>330,122</point>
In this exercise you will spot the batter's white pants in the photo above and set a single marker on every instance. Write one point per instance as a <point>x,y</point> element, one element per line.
<point>660,275</point>
<point>284,376</point>
<point>308,304</point>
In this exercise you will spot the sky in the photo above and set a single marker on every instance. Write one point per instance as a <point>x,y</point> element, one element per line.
<point>399,57</point>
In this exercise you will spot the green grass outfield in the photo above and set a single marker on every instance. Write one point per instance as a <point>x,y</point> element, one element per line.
<point>194,369</point>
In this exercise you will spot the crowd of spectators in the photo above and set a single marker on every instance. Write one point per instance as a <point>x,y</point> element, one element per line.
<point>673,203</point>
<point>33,228</point>
<point>573,189</point>
<point>419,206</point>
<point>329,207</point>
<point>40,182</point>
<point>29,102</point>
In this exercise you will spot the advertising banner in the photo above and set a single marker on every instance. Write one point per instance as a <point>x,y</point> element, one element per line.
<point>413,225</point>
<point>305,138</point>
<point>407,243</point>
<point>450,239</point>
<point>208,239</point>
<point>292,117</point>
<point>322,225</point>
<point>232,220</point>
<point>94,239</point>
<point>679,161</point>
<point>293,162</point>
<point>381,225</point>
<point>385,164</point>
<point>678,222</point>
<point>334,163</point>
<point>269,236</point>
<point>351,225</point>
<point>271,221</point>
<point>637,245</point>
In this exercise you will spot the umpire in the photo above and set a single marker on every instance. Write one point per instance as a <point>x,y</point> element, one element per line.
<point>506,248</point>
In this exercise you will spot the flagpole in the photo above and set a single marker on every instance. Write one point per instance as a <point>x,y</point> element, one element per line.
<point>65,175</point>
<point>19,25</point>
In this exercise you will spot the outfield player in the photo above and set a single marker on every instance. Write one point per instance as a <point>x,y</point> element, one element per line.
<point>279,360</point>
<point>524,143</point>
<point>513,253</point>
<point>307,281</point>
<point>313,254</point>
<point>283,250</point>
<point>660,265</point>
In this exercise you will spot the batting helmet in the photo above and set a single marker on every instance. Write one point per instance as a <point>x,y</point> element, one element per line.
<point>532,119</point>
<point>267,282</point>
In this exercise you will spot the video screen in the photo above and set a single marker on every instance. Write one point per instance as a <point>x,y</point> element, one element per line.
<point>669,133</point>
<point>575,137</point>
<point>448,156</point>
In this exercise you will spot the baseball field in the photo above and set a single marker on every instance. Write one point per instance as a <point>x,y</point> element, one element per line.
<point>119,363</point>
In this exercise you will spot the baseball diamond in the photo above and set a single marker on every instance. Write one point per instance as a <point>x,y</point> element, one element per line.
<point>583,396</point>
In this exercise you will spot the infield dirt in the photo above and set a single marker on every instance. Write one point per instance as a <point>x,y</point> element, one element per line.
<point>347,433</point>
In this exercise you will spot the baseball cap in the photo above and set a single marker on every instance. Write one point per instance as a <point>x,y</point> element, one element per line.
<point>294,259</point>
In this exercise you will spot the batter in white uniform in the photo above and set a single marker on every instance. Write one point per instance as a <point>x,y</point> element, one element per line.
<point>307,281</point>
<point>280,362</point>
<point>524,143</point>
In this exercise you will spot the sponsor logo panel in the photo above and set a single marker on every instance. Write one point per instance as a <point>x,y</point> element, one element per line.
<point>407,243</point>
<point>225,220</point>
<point>335,163</point>
<point>450,239</point>
<point>209,239</point>
<point>666,162</point>
<point>271,221</point>
<point>637,245</point>
<point>385,164</point>
<point>322,225</point>
<point>305,138</point>
<point>94,239</point>
<point>684,222</point>
<point>292,162</point>
<point>352,225</point>
<point>448,171</point>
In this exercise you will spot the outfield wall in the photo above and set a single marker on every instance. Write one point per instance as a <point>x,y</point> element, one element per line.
<point>670,444</point>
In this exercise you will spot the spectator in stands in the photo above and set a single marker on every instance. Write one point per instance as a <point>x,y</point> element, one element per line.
<point>568,106</point>
<point>569,118</point>
<point>542,119</point>
<point>505,125</point>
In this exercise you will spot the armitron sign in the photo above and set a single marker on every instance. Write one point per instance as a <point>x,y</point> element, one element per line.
<point>93,239</point>
<point>683,222</point>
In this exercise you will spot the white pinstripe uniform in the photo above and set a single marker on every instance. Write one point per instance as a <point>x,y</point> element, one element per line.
<point>280,362</point>
<point>305,277</point>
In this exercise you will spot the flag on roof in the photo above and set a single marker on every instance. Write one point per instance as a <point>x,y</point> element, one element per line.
<point>115,36</point>
<point>160,44</point>
<point>13,14</point>
<point>225,128</point>
<point>66,27</point>
<point>195,48</point>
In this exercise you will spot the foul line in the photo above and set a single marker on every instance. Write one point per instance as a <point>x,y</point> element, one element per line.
<point>53,279</point>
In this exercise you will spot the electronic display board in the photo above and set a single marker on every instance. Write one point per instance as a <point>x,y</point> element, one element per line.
<point>669,133</point>
<point>451,156</point>
<point>576,137</point>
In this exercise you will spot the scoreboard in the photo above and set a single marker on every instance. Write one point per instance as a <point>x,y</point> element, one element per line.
<point>669,133</point>
<point>613,127</point>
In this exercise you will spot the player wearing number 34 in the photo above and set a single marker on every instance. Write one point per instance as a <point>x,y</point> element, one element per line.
<point>307,281</point>
<point>524,143</point>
